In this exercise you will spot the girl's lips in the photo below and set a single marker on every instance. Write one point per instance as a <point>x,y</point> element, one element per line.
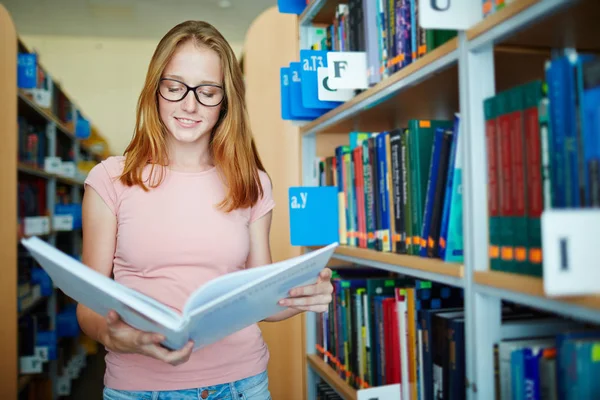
<point>186,122</point>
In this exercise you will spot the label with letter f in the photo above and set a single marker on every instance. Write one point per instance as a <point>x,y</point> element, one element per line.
<point>347,70</point>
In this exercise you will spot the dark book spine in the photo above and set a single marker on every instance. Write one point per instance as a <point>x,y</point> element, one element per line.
<point>438,202</point>
<point>397,187</point>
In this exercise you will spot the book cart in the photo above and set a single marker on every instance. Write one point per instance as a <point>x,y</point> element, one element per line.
<point>43,166</point>
<point>502,50</point>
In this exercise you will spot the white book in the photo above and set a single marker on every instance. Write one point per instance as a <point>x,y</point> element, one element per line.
<point>215,310</point>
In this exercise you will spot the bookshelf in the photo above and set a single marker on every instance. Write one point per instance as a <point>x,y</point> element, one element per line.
<point>502,50</point>
<point>33,129</point>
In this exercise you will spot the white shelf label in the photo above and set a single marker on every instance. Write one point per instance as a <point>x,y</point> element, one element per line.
<point>68,169</point>
<point>571,255</point>
<point>53,165</point>
<point>387,392</point>
<point>30,365</point>
<point>36,226</point>
<point>42,97</point>
<point>63,386</point>
<point>41,352</point>
<point>449,14</point>
<point>347,70</point>
<point>63,222</point>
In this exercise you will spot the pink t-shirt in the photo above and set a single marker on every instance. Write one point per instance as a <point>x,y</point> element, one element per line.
<point>170,240</point>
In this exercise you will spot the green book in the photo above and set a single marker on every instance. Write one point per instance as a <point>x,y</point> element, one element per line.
<point>532,94</point>
<point>518,238</point>
<point>493,165</point>
<point>407,192</point>
<point>420,148</point>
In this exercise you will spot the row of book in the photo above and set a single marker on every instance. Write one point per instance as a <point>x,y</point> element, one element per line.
<point>400,191</point>
<point>542,151</point>
<point>378,331</point>
<point>383,330</point>
<point>34,80</point>
<point>388,31</point>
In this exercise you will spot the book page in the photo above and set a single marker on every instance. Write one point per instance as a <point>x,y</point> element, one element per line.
<point>102,294</point>
<point>252,301</point>
<point>225,284</point>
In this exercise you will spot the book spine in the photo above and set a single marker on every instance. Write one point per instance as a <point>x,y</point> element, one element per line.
<point>448,195</point>
<point>430,192</point>
<point>406,191</point>
<point>518,220</point>
<point>535,202</point>
<point>395,153</point>
<point>438,199</point>
<point>590,118</point>
<point>369,193</point>
<point>343,232</point>
<point>505,234</point>
<point>374,159</point>
<point>556,92</point>
<point>383,192</point>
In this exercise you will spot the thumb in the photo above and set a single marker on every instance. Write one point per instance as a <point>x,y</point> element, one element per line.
<point>112,317</point>
<point>324,275</point>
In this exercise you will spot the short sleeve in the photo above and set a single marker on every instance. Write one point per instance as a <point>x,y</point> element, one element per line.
<point>103,178</point>
<point>264,203</point>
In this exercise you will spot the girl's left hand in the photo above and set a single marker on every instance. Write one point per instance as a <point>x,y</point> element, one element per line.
<point>315,297</point>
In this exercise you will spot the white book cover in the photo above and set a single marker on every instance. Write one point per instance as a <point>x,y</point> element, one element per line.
<point>215,310</point>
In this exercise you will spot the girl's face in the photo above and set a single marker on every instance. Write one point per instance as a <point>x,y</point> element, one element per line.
<point>188,120</point>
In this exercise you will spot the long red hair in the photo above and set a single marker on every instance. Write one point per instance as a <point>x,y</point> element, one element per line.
<point>231,144</point>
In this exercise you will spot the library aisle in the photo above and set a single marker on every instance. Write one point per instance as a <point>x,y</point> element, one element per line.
<point>454,158</point>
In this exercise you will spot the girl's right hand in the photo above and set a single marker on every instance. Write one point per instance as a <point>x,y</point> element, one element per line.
<point>122,338</point>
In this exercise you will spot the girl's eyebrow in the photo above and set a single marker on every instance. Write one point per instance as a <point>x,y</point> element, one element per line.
<point>180,78</point>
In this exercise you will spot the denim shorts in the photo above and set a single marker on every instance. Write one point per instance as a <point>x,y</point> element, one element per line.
<point>253,388</point>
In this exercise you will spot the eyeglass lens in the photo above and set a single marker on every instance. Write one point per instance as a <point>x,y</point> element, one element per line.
<point>209,95</point>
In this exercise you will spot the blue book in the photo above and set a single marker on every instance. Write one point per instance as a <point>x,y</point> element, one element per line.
<point>313,215</point>
<point>291,6</point>
<point>449,186</point>
<point>384,233</point>
<point>453,237</point>
<point>589,86</point>
<point>27,71</point>
<point>436,152</point>
<point>558,94</point>
<point>531,379</point>
<point>564,343</point>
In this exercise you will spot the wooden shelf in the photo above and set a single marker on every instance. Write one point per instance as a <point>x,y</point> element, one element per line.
<point>331,377</point>
<point>541,24</point>
<point>529,290</point>
<point>35,171</point>
<point>320,12</point>
<point>27,106</point>
<point>402,96</point>
<point>419,267</point>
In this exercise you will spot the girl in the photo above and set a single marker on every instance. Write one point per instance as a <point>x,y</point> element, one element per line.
<point>189,201</point>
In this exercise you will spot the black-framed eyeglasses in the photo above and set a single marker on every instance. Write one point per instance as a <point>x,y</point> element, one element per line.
<point>209,95</point>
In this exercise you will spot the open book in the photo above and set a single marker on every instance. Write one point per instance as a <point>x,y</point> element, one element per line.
<point>215,310</point>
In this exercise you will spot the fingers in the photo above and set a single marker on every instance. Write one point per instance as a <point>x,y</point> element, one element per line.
<point>144,338</point>
<point>173,357</point>
<point>312,290</point>
<point>297,302</point>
